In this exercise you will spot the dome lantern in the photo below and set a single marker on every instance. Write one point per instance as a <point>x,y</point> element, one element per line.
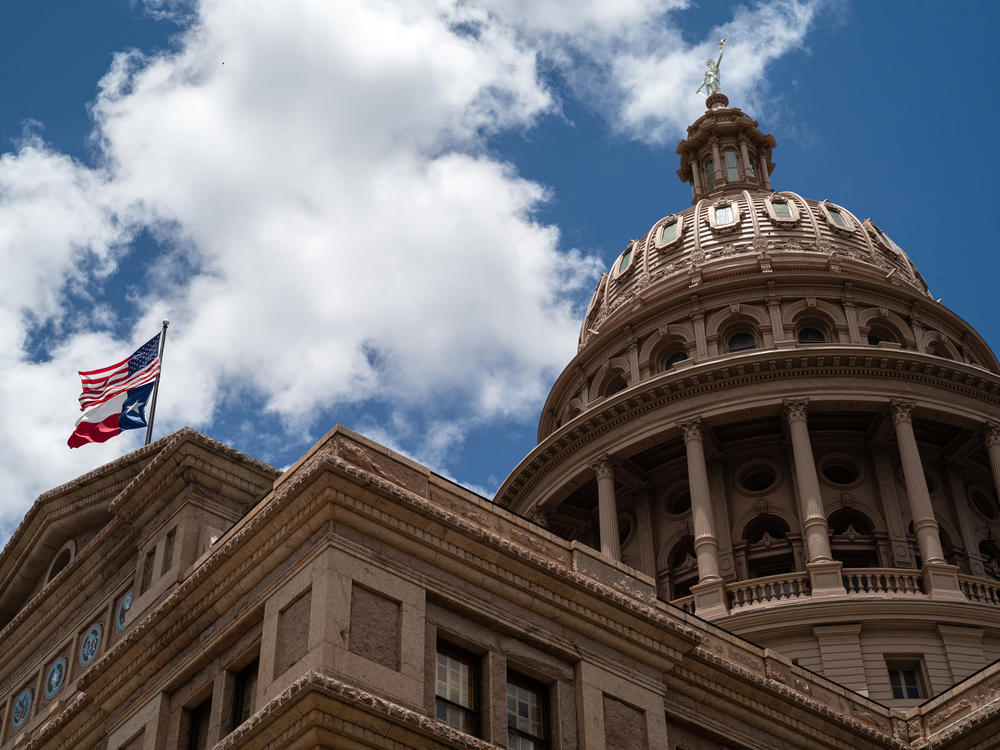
<point>725,151</point>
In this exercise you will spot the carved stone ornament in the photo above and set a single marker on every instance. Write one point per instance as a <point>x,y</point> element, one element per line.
<point>902,411</point>
<point>603,467</point>
<point>796,411</point>
<point>991,433</point>
<point>692,430</point>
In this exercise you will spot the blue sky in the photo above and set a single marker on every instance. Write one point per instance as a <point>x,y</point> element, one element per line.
<point>389,215</point>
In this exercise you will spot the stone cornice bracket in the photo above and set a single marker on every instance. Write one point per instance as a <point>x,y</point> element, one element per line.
<point>991,433</point>
<point>902,411</point>
<point>796,410</point>
<point>692,430</point>
<point>603,466</point>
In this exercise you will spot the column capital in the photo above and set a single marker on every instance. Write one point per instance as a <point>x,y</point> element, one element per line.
<point>902,411</point>
<point>991,433</point>
<point>692,430</point>
<point>603,466</point>
<point>796,410</point>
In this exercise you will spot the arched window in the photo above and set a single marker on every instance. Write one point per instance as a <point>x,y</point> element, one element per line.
<point>741,341</point>
<point>810,335</point>
<point>852,539</point>
<point>61,561</point>
<point>879,332</point>
<point>767,547</point>
<point>939,350</point>
<point>673,359</point>
<point>615,384</point>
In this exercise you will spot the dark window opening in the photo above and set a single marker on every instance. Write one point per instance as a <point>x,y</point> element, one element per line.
<point>673,359</point>
<point>615,385</point>
<point>758,478</point>
<point>905,679</point>
<point>245,693</point>
<point>811,336</point>
<point>198,719</point>
<point>61,561</point>
<point>739,342</point>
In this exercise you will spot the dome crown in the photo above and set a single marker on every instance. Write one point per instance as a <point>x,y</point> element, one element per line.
<point>725,151</point>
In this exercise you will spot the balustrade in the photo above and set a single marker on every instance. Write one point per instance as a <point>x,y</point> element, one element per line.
<point>883,581</point>
<point>770,589</point>
<point>980,590</point>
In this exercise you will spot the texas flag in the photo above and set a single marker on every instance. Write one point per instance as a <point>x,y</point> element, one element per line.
<point>126,411</point>
<point>116,395</point>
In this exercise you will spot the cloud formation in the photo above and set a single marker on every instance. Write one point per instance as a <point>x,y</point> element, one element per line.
<point>331,226</point>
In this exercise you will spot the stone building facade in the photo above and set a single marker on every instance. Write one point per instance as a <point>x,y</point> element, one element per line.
<point>762,513</point>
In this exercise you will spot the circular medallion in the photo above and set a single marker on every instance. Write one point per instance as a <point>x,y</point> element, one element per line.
<point>56,676</point>
<point>91,642</point>
<point>123,607</point>
<point>21,708</point>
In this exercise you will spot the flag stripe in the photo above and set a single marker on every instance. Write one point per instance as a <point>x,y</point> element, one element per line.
<point>134,382</point>
<point>84,373</point>
<point>122,377</point>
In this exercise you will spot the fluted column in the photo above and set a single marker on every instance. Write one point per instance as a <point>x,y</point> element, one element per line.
<point>925,525</point>
<point>646,529</point>
<point>744,158</point>
<point>763,172</point>
<point>940,578</point>
<point>824,572</point>
<point>992,437</point>
<point>710,598</point>
<point>607,507</point>
<point>699,188</point>
<point>814,526</point>
<point>706,543</point>
<point>719,169</point>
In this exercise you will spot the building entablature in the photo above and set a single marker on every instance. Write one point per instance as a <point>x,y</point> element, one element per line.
<point>794,310</point>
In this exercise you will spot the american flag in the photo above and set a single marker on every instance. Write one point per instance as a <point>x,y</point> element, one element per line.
<point>140,368</point>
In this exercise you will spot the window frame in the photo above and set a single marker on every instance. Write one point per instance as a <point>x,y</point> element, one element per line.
<point>793,209</point>
<point>903,663</point>
<point>474,661</point>
<point>544,692</point>
<point>617,269</point>
<point>728,226</point>
<point>851,224</point>
<point>664,223</point>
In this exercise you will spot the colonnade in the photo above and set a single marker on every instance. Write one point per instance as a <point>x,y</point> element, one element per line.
<point>940,578</point>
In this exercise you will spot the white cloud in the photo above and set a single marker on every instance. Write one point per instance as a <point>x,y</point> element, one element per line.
<point>334,229</point>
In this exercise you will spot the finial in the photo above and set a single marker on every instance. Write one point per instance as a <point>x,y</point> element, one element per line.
<point>712,83</point>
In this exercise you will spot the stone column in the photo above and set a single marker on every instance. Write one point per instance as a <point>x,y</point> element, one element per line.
<point>607,508</point>
<point>720,174</point>
<point>744,158</point>
<point>699,188</point>
<point>764,176</point>
<point>710,591</point>
<point>700,338</point>
<point>940,579</point>
<point>774,313</point>
<point>824,571</point>
<point>992,436</point>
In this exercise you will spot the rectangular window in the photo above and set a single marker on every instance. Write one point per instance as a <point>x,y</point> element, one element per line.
<point>245,693</point>
<point>668,233</point>
<point>147,571</point>
<point>905,679</point>
<point>168,551</point>
<point>709,173</point>
<point>781,209</point>
<point>732,166</point>
<point>838,218</point>
<point>723,215</point>
<point>198,718</point>
<point>527,717</point>
<point>456,689</point>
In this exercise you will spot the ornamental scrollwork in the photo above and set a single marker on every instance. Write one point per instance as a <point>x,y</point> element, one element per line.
<point>902,411</point>
<point>796,410</point>
<point>991,433</point>
<point>692,430</point>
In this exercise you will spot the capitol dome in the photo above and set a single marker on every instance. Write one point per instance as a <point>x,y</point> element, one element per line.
<point>771,420</point>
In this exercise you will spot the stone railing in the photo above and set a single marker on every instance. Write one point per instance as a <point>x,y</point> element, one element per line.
<point>685,602</point>
<point>980,590</point>
<point>768,590</point>
<point>883,581</point>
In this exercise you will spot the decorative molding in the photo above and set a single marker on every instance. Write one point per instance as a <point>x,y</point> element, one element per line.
<point>796,410</point>
<point>901,411</point>
<point>692,430</point>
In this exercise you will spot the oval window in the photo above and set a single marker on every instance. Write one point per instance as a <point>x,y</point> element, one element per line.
<point>679,502</point>
<point>758,478</point>
<point>840,471</point>
<point>984,503</point>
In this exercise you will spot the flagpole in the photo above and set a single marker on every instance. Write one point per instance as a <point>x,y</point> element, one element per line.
<point>156,385</point>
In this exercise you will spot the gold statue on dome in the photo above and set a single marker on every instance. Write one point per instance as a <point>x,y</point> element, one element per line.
<point>711,83</point>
